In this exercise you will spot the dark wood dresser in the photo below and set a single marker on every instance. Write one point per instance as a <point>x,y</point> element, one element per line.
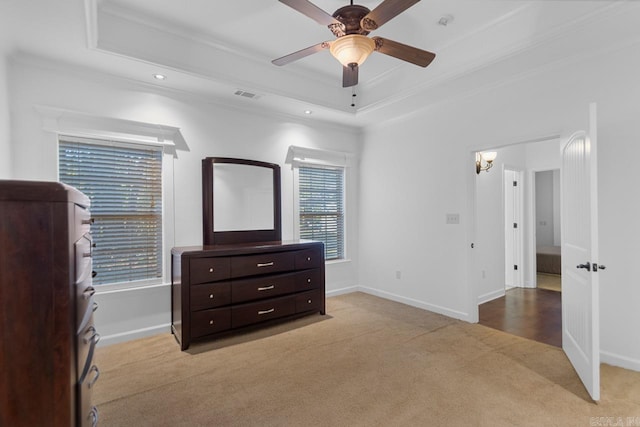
<point>47,334</point>
<point>219,288</point>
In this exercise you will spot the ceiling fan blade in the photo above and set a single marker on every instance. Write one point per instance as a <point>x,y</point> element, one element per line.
<point>301,54</point>
<point>385,12</point>
<point>312,11</point>
<point>402,51</point>
<point>350,75</point>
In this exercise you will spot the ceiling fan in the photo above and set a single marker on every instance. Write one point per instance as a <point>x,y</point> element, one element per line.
<point>351,24</point>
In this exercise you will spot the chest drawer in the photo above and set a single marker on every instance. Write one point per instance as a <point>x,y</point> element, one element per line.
<point>308,279</point>
<point>204,270</point>
<point>83,253</point>
<point>262,264</point>
<point>247,314</point>
<point>261,287</point>
<point>210,295</point>
<point>207,322</point>
<point>309,258</point>
<point>309,301</point>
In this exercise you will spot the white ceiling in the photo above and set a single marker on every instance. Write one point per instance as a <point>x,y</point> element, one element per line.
<point>210,49</point>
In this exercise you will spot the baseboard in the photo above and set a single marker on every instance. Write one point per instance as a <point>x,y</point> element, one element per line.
<point>133,335</point>
<point>416,303</point>
<point>490,296</point>
<point>620,361</point>
<point>342,291</point>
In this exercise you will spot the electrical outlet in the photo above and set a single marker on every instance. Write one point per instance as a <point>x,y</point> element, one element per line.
<point>453,218</point>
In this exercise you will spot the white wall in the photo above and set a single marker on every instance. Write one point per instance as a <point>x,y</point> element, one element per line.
<point>544,208</point>
<point>490,237</point>
<point>416,169</point>
<point>208,129</point>
<point>5,132</point>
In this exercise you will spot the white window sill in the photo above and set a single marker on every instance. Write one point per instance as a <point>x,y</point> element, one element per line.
<point>125,287</point>
<point>337,261</point>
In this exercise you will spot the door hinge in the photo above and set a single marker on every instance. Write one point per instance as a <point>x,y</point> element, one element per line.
<point>515,183</point>
<point>515,225</point>
<point>515,267</point>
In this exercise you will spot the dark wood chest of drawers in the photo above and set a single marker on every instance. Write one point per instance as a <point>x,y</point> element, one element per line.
<point>219,288</point>
<point>47,333</point>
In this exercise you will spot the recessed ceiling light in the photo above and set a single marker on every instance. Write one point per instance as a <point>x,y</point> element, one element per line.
<point>308,112</point>
<point>159,77</point>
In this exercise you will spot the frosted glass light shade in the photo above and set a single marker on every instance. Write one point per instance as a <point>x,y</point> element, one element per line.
<point>352,48</point>
<point>489,156</point>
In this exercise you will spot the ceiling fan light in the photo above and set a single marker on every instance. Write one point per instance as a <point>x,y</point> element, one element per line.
<point>353,48</point>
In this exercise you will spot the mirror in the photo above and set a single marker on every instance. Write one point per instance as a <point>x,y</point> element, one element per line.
<point>241,201</point>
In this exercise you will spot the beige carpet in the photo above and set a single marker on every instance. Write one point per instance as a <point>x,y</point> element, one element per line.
<point>368,362</point>
<point>552,282</point>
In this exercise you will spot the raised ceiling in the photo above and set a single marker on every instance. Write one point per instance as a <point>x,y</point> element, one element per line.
<point>212,49</point>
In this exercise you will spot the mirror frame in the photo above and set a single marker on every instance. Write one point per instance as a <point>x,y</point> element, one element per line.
<point>212,237</point>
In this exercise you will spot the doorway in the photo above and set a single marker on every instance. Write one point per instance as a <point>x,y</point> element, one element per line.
<point>524,306</point>
<point>548,230</point>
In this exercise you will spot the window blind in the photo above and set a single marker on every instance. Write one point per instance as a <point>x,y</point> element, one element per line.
<point>321,198</point>
<point>124,184</point>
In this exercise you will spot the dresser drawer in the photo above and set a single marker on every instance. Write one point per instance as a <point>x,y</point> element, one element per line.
<point>309,301</point>
<point>85,304</point>
<point>308,279</point>
<point>262,264</point>
<point>83,252</point>
<point>261,287</point>
<point>210,295</point>
<point>247,314</point>
<point>87,413</point>
<point>87,339</point>
<point>207,322</point>
<point>83,220</point>
<point>204,270</point>
<point>309,258</point>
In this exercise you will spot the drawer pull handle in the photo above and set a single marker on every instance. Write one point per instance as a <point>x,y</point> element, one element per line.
<point>95,306</point>
<point>308,258</point>
<point>91,335</point>
<point>211,270</point>
<point>211,322</point>
<point>309,301</point>
<point>210,296</point>
<point>271,310</point>
<point>89,292</point>
<point>95,369</point>
<point>93,416</point>
<point>87,255</point>
<point>265,264</point>
<point>309,280</point>
<point>88,221</point>
<point>266,288</point>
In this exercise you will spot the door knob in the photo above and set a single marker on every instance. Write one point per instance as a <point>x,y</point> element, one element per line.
<point>587,266</point>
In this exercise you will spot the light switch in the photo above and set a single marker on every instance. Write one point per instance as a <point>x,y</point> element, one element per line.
<point>453,218</point>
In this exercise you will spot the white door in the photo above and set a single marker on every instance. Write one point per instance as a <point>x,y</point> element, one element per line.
<point>580,298</point>
<point>513,229</point>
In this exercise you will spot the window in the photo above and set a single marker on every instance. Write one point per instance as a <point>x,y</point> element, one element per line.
<point>321,199</point>
<point>124,183</point>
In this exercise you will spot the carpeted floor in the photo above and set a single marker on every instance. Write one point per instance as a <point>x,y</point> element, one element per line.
<point>552,282</point>
<point>368,362</point>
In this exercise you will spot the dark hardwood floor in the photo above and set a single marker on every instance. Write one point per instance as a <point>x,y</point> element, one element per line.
<point>530,313</point>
